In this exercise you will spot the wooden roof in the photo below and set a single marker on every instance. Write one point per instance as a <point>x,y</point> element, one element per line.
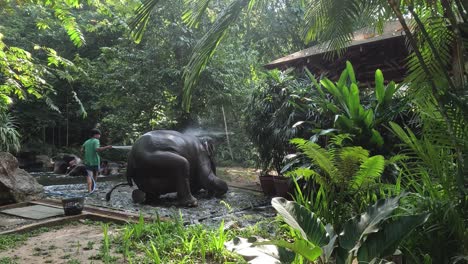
<point>367,52</point>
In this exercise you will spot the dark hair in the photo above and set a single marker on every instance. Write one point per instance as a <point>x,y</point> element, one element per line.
<point>95,132</point>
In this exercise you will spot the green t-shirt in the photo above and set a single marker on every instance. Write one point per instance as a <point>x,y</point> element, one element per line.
<point>91,157</point>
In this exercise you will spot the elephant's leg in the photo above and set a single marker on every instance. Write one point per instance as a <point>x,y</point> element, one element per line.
<point>172,170</point>
<point>152,198</point>
<point>138,196</point>
<point>130,172</point>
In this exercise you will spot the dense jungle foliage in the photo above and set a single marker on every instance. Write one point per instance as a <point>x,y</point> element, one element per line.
<point>373,162</point>
<point>124,88</point>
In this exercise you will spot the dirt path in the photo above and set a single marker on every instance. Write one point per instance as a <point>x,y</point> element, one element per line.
<point>79,243</point>
<point>238,174</point>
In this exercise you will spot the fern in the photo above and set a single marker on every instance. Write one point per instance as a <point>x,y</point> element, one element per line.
<point>369,172</point>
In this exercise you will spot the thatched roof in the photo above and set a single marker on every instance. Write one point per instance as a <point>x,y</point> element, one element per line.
<point>367,51</point>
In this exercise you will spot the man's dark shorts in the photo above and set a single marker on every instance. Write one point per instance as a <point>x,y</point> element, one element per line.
<point>92,168</point>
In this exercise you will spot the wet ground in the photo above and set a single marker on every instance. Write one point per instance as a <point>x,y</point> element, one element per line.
<point>238,207</point>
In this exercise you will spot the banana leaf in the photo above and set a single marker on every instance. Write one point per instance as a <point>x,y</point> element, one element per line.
<point>306,222</point>
<point>355,229</point>
<point>385,242</point>
<point>300,246</point>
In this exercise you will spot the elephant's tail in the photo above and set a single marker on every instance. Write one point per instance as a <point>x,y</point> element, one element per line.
<point>108,194</point>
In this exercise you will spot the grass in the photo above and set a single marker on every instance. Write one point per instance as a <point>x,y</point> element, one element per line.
<point>89,245</point>
<point>157,242</point>
<point>8,260</point>
<point>14,240</point>
<point>172,242</point>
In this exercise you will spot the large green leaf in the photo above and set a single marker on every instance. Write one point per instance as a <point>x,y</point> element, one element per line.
<point>376,138</point>
<point>328,249</point>
<point>353,101</point>
<point>298,217</point>
<point>379,86</point>
<point>300,246</point>
<point>368,117</point>
<point>343,79</point>
<point>386,241</point>
<point>343,122</point>
<point>350,70</point>
<point>389,92</point>
<point>331,88</point>
<point>358,227</point>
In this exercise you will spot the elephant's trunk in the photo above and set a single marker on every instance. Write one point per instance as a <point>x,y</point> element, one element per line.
<point>215,185</point>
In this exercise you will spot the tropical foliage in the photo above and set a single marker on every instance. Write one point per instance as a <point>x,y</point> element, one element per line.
<point>346,179</point>
<point>369,237</point>
<point>365,118</point>
<point>68,66</point>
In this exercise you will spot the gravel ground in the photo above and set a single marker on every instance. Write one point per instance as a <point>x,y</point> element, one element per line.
<point>239,206</point>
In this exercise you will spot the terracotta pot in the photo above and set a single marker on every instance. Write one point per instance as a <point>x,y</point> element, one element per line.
<point>283,187</point>
<point>268,187</point>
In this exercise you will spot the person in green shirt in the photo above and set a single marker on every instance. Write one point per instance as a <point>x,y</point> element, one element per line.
<point>90,150</point>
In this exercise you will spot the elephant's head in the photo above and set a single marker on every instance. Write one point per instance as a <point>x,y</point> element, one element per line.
<point>208,146</point>
<point>212,184</point>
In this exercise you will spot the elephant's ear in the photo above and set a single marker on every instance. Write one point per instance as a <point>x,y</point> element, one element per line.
<point>208,146</point>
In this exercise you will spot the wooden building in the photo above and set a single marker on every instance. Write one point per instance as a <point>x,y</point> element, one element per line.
<point>367,52</point>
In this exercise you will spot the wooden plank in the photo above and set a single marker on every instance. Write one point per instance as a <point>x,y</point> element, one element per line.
<point>45,223</point>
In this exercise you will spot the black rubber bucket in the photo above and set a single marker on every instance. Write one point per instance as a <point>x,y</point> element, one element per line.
<point>73,206</point>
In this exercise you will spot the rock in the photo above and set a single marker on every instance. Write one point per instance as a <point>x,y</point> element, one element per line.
<point>78,170</point>
<point>64,162</point>
<point>27,160</point>
<point>16,185</point>
<point>109,168</point>
<point>113,168</point>
<point>46,161</point>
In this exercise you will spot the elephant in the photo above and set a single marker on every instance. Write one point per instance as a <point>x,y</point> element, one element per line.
<point>166,161</point>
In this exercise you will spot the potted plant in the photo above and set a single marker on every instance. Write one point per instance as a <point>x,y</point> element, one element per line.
<point>267,184</point>
<point>270,123</point>
<point>283,186</point>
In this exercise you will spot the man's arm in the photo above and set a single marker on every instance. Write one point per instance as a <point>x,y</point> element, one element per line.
<point>103,148</point>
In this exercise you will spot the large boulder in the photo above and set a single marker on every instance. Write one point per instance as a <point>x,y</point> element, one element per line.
<point>16,185</point>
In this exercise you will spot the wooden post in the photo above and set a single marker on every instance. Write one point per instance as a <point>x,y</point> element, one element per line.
<point>66,141</point>
<point>227,135</point>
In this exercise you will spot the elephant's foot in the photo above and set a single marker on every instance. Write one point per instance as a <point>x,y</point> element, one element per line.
<point>188,201</point>
<point>138,196</point>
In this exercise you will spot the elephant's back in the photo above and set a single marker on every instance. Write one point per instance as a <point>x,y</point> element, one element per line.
<point>163,140</point>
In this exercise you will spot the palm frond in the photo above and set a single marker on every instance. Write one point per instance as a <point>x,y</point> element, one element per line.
<point>138,23</point>
<point>438,60</point>
<point>335,21</point>
<point>194,12</point>
<point>205,48</point>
